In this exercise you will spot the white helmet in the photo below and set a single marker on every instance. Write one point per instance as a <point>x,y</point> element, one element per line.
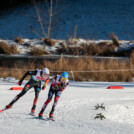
<point>46,71</point>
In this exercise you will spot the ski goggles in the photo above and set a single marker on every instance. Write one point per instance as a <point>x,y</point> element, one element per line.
<point>64,78</point>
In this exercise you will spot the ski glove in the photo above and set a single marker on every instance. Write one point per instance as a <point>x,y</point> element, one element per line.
<point>46,81</point>
<point>43,88</point>
<point>19,83</point>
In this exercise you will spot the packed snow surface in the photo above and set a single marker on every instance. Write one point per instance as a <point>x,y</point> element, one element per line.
<point>75,111</point>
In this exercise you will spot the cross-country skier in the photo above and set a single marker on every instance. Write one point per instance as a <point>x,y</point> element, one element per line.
<point>37,77</point>
<point>58,84</point>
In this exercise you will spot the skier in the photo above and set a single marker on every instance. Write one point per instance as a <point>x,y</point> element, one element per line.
<point>58,84</point>
<point>37,77</point>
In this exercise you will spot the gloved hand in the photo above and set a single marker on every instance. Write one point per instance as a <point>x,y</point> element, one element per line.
<point>43,88</point>
<point>46,81</point>
<point>19,83</point>
<point>56,88</point>
<point>59,86</point>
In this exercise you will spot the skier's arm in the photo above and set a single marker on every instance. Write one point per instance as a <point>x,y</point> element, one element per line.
<point>63,88</point>
<point>59,87</point>
<point>55,84</point>
<point>26,74</point>
<point>46,82</point>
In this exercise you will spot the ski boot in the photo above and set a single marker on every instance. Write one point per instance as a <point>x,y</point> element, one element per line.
<point>40,115</point>
<point>33,112</point>
<point>51,117</point>
<point>8,106</point>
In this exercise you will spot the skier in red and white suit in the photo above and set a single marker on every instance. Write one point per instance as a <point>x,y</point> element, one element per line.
<point>58,85</point>
<point>37,77</point>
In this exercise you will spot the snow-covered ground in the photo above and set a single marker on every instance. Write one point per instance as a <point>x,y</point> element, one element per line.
<point>75,111</point>
<point>30,43</point>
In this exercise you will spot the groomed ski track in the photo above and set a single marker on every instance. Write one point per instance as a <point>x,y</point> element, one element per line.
<point>75,111</point>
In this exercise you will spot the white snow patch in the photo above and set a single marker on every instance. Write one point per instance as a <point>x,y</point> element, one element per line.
<point>75,111</point>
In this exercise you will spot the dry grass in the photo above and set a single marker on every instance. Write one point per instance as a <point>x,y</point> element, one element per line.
<point>101,49</point>
<point>92,49</point>
<point>5,72</point>
<point>132,54</point>
<point>62,49</point>
<point>107,50</point>
<point>90,65</point>
<point>73,50</point>
<point>19,40</point>
<point>115,39</point>
<point>16,71</point>
<point>8,49</point>
<point>38,51</point>
<point>100,70</point>
<point>72,41</point>
<point>49,42</point>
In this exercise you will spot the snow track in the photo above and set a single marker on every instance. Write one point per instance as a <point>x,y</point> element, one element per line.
<point>74,113</point>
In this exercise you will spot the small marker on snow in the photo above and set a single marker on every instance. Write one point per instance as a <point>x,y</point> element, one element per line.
<point>115,87</point>
<point>16,88</point>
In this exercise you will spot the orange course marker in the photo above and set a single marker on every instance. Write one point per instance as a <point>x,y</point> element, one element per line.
<point>16,88</point>
<point>115,87</point>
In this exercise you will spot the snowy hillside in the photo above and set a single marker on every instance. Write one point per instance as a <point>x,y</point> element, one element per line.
<point>65,45</point>
<point>75,111</point>
<point>94,20</point>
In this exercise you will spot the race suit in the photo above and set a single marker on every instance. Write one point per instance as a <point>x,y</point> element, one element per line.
<point>35,82</point>
<point>56,88</point>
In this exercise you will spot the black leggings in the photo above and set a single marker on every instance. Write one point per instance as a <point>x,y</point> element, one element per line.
<point>31,83</point>
<point>50,95</point>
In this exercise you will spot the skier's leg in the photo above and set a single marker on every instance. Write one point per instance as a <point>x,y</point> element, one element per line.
<point>57,96</point>
<point>50,95</point>
<point>37,91</point>
<point>25,89</point>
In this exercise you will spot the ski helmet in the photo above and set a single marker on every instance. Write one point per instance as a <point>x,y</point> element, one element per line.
<point>65,75</point>
<point>46,71</point>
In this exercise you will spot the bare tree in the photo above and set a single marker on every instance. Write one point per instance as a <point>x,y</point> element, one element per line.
<point>42,27</point>
<point>75,32</point>
<point>50,19</point>
<point>51,13</point>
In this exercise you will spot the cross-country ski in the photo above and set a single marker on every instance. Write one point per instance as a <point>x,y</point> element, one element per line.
<point>2,110</point>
